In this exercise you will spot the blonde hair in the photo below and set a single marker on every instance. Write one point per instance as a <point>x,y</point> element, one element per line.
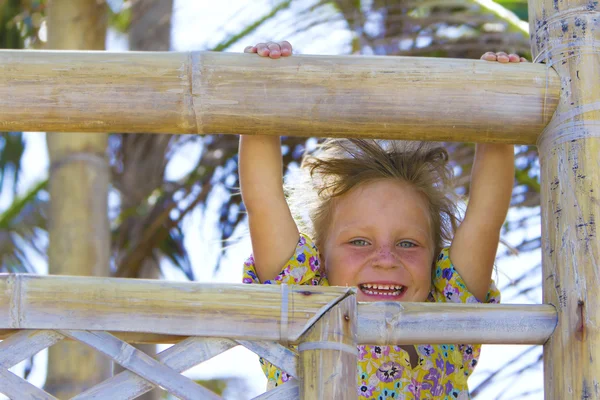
<point>339,165</point>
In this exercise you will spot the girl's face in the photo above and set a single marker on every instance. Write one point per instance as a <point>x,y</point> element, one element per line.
<point>380,240</point>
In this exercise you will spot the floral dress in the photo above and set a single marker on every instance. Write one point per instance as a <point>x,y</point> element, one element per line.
<point>385,372</point>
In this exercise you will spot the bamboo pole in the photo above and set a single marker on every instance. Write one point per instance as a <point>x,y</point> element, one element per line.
<point>328,355</point>
<point>78,182</point>
<point>566,37</point>
<point>148,311</point>
<point>202,92</point>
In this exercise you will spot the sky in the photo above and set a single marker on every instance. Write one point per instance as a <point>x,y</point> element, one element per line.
<point>197,25</point>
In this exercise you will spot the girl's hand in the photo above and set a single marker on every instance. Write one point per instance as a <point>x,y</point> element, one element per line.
<point>271,49</point>
<point>502,57</point>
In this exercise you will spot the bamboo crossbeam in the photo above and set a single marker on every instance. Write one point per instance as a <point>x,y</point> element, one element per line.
<point>204,92</point>
<point>151,311</point>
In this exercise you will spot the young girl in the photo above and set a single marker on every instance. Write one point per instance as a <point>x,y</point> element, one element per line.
<point>382,218</point>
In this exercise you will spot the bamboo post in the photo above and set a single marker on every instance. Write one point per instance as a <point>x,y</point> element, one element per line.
<point>203,92</point>
<point>79,230</point>
<point>328,355</point>
<point>566,37</point>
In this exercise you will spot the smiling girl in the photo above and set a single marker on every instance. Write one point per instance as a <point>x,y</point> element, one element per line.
<point>381,217</point>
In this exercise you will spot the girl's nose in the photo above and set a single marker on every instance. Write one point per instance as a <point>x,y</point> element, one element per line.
<point>386,258</point>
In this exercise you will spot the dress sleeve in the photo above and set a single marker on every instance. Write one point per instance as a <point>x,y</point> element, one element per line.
<point>303,268</point>
<point>449,287</point>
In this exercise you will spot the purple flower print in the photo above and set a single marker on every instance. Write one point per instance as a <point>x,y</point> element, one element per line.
<point>362,352</point>
<point>247,280</point>
<point>426,350</point>
<point>452,294</point>
<point>448,388</point>
<point>389,371</point>
<point>431,382</point>
<point>302,241</point>
<point>447,273</point>
<point>467,351</point>
<point>365,390</point>
<point>380,351</point>
<point>314,263</point>
<point>249,262</point>
<point>415,388</point>
<point>449,368</point>
<point>285,377</point>
<point>301,258</point>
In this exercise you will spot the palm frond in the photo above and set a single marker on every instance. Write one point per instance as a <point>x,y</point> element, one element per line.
<point>21,225</point>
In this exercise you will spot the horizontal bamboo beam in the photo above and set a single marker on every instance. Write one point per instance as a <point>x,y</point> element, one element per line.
<point>438,323</point>
<point>328,96</point>
<point>152,311</point>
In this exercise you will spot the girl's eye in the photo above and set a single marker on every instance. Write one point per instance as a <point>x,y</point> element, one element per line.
<point>407,245</point>
<point>359,242</point>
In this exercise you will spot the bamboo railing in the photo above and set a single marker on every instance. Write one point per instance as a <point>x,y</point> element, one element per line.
<point>204,92</point>
<point>110,314</point>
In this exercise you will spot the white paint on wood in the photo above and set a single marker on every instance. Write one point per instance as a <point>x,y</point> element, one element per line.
<point>180,357</point>
<point>288,391</point>
<point>19,389</point>
<point>24,344</point>
<point>278,355</point>
<point>143,365</point>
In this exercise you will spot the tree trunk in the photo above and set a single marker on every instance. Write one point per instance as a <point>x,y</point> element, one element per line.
<point>79,177</point>
<point>150,30</point>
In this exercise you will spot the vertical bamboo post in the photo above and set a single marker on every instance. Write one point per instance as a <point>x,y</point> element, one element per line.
<point>566,36</point>
<point>79,176</point>
<point>328,355</point>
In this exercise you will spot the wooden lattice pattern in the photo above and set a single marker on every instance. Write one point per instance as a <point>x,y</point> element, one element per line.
<point>143,373</point>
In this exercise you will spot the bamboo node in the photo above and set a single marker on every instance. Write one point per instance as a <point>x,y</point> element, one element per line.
<point>16,300</point>
<point>325,345</point>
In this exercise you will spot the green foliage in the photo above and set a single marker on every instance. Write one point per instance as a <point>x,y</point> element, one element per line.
<point>20,225</point>
<point>252,27</point>
<point>519,7</point>
<point>120,19</point>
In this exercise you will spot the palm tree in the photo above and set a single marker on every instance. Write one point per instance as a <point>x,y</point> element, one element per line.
<point>79,176</point>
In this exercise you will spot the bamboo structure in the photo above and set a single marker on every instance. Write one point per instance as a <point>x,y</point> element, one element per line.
<point>555,105</point>
<point>565,36</point>
<point>79,231</point>
<point>326,323</point>
<point>204,92</point>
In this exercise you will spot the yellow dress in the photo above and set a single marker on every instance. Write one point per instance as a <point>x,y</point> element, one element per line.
<point>385,372</point>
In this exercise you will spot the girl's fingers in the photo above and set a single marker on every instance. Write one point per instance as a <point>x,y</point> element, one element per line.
<point>489,56</point>
<point>286,48</point>
<point>262,50</point>
<point>250,49</point>
<point>514,58</point>
<point>523,59</point>
<point>274,50</point>
<point>502,57</point>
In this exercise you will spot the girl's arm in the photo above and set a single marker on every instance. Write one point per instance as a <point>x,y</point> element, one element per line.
<point>475,243</point>
<point>273,231</point>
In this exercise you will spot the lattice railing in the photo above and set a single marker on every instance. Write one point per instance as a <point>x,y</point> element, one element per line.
<point>325,324</point>
<point>143,373</point>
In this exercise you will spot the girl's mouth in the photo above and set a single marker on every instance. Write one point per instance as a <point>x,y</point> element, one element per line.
<point>382,290</point>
